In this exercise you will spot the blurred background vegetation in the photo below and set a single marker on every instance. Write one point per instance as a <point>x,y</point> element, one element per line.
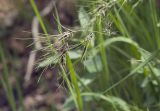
<point>79,55</point>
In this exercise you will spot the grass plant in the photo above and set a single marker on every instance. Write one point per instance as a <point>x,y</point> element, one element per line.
<point>111,63</point>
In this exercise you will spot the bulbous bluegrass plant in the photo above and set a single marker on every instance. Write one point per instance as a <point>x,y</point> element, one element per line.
<point>115,52</point>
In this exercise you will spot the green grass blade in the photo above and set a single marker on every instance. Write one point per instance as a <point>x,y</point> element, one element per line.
<point>150,58</point>
<point>104,77</point>
<point>75,82</point>
<point>5,82</point>
<point>111,41</point>
<point>39,16</point>
<point>117,103</point>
